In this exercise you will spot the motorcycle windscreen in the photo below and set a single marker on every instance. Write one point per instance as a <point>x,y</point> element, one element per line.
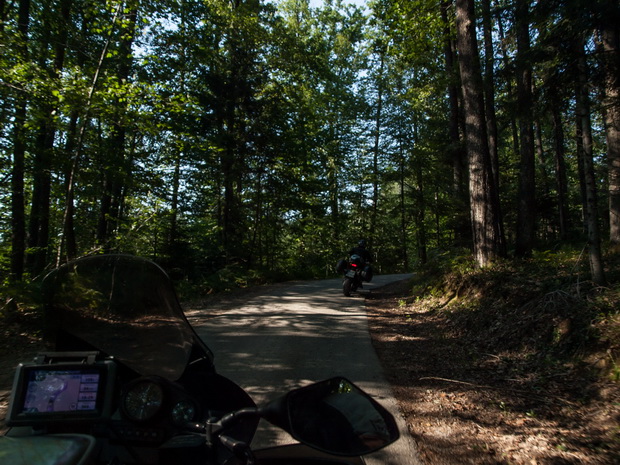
<point>123,306</point>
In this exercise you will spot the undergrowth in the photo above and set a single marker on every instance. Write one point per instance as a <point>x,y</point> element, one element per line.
<point>542,314</point>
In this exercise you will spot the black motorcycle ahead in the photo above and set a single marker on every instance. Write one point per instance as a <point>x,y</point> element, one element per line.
<point>128,381</point>
<point>356,271</point>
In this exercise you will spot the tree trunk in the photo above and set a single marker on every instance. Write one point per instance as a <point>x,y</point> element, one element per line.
<point>173,231</point>
<point>67,247</point>
<point>56,34</point>
<point>231,159</point>
<point>610,39</point>
<point>489,88</point>
<point>561,179</point>
<point>548,225</point>
<point>488,242</point>
<point>420,214</point>
<point>38,237</point>
<point>77,145</point>
<point>591,213</point>
<point>377,141</point>
<point>117,175</point>
<point>403,209</point>
<point>462,224</point>
<point>18,214</point>
<point>527,178</point>
<point>509,88</point>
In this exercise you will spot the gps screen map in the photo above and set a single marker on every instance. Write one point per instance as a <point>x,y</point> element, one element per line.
<point>50,391</point>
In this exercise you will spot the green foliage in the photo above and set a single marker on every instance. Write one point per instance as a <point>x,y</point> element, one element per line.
<point>262,137</point>
<point>542,311</point>
<point>20,316</point>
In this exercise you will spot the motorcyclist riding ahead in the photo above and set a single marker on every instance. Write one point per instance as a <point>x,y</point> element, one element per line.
<point>356,269</point>
<point>362,251</point>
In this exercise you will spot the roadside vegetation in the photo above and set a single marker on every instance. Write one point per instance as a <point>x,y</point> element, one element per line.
<point>545,306</point>
<point>514,364</point>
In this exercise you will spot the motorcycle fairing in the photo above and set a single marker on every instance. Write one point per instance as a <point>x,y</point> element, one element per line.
<point>124,306</point>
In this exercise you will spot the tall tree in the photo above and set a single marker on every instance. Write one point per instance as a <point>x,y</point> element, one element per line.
<point>77,134</point>
<point>117,163</point>
<point>508,83</point>
<point>610,39</point>
<point>489,86</point>
<point>527,185</point>
<point>555,95</point>
<point>52,52</point>
<point>560,170</point>
<point>381,52</point>
<point>484,198</point>
<point>462,222</point>
<point>18,215</point>
<point>587,159</point>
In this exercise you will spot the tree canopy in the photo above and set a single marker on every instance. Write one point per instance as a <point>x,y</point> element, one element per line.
<point>269,136</point>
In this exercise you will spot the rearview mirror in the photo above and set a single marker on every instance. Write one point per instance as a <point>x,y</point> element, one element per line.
<point>334,416</point>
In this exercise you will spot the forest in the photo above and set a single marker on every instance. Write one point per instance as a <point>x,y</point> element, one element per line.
<point>262,139</point>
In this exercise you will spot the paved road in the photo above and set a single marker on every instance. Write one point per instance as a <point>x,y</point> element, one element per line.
<point>296,334</point>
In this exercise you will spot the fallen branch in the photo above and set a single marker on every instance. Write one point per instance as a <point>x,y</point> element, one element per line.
<point>520,392</point>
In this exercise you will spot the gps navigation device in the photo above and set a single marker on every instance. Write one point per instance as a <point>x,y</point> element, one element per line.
<point>61,392</point>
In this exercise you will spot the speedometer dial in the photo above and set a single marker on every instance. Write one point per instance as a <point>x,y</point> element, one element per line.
<point>142,400</point>
<point>183,412</point>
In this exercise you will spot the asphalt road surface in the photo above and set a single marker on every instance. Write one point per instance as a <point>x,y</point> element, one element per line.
<point>295,334</point>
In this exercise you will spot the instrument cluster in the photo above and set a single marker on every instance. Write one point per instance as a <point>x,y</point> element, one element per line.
<point>152,399</point>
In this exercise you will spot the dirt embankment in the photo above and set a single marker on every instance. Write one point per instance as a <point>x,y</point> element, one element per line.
<point>480,390</point>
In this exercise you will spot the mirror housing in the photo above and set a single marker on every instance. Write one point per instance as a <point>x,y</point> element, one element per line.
<point>333,416</point>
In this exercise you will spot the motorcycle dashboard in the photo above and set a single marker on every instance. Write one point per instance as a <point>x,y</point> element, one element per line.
<point>67,392</point>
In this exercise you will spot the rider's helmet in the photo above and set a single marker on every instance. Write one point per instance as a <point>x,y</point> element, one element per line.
<point>362,243</point>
